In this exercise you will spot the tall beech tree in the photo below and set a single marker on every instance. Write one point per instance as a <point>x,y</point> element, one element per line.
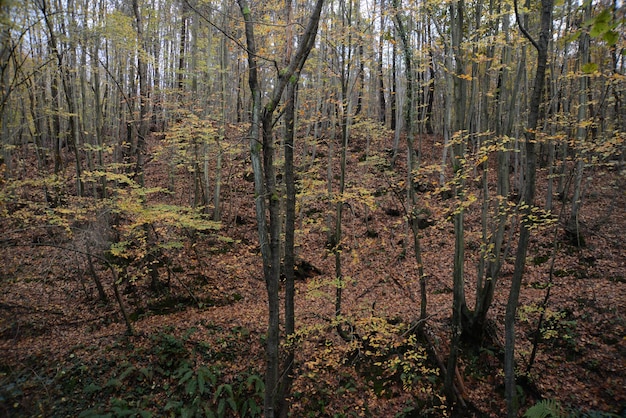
<point>139,143</point>
<point>267,194</point>
<point>68,89</point>
<point>456,66</point>
<point>413,210</point>
<point>528,196</point>
<point>344,53</point>
<point>573,228</point>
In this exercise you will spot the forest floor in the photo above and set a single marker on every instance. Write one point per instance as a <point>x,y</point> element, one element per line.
<point>198,335</point>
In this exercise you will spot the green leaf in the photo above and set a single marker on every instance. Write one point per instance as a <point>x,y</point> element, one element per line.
<point>547,408</point>
<point>93,413</point>
<point>232,404</point>
<point>252,407</point>
<point>188,374</point>
<point>123,411</point>
<point>116,383</point>
<point>224,388</point>
<point>191,386</point>
<point>603,17</point>
<point>221,408</point>
<point>598,29</point>
<point>127,372</point>
<point>201,383</point>
<point>207,375</point>
<point>145,372</point>
<point>91,388</point>
<point>590,67</point>
<point>610,37</point>
<point>173,405</point>
<point>573,36</point>
<point>257,382</point>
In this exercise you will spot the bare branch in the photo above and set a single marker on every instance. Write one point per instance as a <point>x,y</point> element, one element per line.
<point>523,29</point>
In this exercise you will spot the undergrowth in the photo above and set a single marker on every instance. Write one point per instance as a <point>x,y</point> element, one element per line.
<point>550,408</point>
<point>169,376</point>
<point>382,365</point>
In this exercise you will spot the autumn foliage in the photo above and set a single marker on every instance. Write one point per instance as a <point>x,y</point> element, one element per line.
<point>150,152</point>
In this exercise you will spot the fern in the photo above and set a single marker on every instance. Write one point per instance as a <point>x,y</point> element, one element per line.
<point>546,408</point>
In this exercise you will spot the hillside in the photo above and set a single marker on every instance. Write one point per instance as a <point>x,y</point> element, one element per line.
<point>198,309</point>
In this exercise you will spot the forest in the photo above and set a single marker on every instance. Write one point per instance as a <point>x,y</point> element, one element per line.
<point>312,208</point>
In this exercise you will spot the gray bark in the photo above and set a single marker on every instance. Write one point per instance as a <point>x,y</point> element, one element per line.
<point>528,198</point>
<point>266,194</point>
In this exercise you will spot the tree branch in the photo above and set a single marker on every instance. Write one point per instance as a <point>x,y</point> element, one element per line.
<point>523,29</point>
<point>228,35</point>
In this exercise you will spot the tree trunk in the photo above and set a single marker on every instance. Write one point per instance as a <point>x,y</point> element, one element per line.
<point>142,72</point>
<point>527,201</point>
<point>345,119</point>
<point>458,302</point>
<point>265,181</point>
<point>66,82</point>
<point>572,228</point>
<point>412,164</point>
<point>394,89</point>
<point>289,260</point>
<point>382,104</point>
<point>181,50</point>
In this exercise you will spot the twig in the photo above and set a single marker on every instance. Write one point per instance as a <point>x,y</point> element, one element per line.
<point>416,324</point>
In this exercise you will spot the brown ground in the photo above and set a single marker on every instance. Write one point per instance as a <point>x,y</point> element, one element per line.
<point>51,323</point>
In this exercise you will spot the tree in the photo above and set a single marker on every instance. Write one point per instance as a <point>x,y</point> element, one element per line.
<point>456,25</point>
<point>139,145</point>
<point>68,89</point>
<point>412,155</point>
<point>266,191</point>
<point>382,104</point>
<point>573,228</point>
<point>344,52</point>
<point>528,197</point>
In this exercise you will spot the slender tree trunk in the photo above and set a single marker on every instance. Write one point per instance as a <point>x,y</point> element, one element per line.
<point>256,146</point>
<point>345,117</point>
<point>142,72</point>
<point>290,219</point>
<point>527,201</point>
<point>458,302</point>
<point>69,95</point>
<point>180,78</point>
<point>220,152</point>
<point>265,182</point>
<point>360,76</point>
<point>289,260</point>
<point>346,121</point>
<point>412,163</point>
<point>6,46</point>
<point>382,104</point>
<point>573,227</point>
<point>98,119</point>
<point>429,84</point>
<point>394,90</point>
